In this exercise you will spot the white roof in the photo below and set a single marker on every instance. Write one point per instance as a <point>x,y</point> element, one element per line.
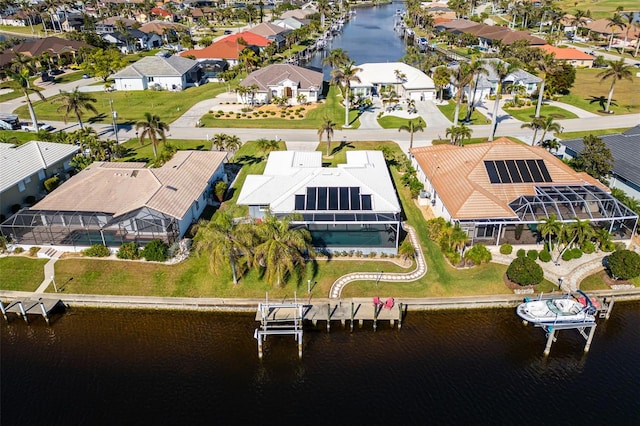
<point>385,73</point>
<point>289,173</point>
<point>19,162</point>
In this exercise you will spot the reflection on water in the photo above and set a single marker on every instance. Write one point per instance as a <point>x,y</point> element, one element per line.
<point>479,367</point>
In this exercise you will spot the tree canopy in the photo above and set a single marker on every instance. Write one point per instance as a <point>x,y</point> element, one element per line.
<point>595,158</point>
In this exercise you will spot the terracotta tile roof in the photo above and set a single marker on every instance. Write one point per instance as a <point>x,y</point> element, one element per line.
<point>600,26</point>
<point>224,49</point>
<point>266,29</point>
<point>251,39</point>
<point>52,45</point>
<point>566,54</point>
<point>460,179</point>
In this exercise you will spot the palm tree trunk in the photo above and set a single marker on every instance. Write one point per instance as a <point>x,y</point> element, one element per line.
<point>471,106</point>
<point>494,118</point>
<point>535,133</point>
<point>233,272</point>
<point>540,96</point>
<point>346,108</point>
<point>32,112</point>
<point>613,83</point>
<point>637,46</point>
<point>153,145</point>
<point>457,111</point>
<point>411,140</point>
<point>328,144</point>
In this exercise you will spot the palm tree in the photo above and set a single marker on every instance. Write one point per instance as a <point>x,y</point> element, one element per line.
<point>459,134</point>
<point>549,227</point>
<point>463,77</point>
<point>441,77</point>
<point>22,78</point>
<point>153,128</point>
<point>282,248</point>
<point>248,58</point>
<point>336,58</point>
<point>327,127</point>
<point>323,9</point>
<point>578,231</point>
<point>75,102</point>
<point>545,65</point>
<point>412,126</point>
<point>267,145</point>
<point>616,21</point>
<point>549,125</point>
<point>617,71</point>
<point>224,240</point>
<point>536,124</point>
<point>502,69</point>
<point>477,68</point>
<point>344,75</point>
<point>233,144</point>
<point>550,144</point>
<point>400,77</point>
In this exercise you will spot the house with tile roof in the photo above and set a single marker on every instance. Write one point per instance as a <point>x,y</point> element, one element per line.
<point>58,48</point>
<point>575,57</point>
<point>25,167</point>
<point>407,81</point>
<point>625,148</point>
<point>499,191</point>
<point>133,40</point>
<point>247,38</point>
<point>224,50</point>
<point>353,206</point>
<point>283,80</point>
<point>114,203</point>
<point>272,32</point>
<point>159,72</point>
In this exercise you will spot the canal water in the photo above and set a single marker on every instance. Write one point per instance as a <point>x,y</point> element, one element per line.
<point>484,367</point>
<point>368,37</point>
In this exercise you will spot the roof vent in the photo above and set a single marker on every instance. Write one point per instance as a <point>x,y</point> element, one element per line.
<point>173,188</point>
<point>134,173</point>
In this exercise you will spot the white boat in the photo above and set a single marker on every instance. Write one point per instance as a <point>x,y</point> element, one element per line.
<point>556,311</point>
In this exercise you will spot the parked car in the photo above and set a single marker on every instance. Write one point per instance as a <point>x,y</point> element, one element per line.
<point>56,72</point>
<point>74,66</point>
<point>28,127</point>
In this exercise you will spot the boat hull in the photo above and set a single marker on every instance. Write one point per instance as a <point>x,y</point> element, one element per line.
<point>555,311</point>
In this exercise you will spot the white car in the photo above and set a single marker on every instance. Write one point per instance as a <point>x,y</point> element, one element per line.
<point>41,126</point>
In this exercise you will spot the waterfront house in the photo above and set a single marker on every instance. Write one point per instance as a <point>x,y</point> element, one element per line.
<point>113,203</point>
<point>283,80</point>
<point>24,169</point>
<point>499,191</point>
<point>133,40</point>
<point>275,33</point>
<point>159,72</point>
<point>353,206</point>
<point>408,82</point>
<point>625,148</point>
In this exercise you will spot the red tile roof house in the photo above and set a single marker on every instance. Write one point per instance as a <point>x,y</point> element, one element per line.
<point>229,48</point>
<point>572,56</point>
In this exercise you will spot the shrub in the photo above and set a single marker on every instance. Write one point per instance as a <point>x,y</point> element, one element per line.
<point>128,251</point>
<point>624,264</point>
<point>544,256</point>
<point>521,253</point>
<point>220,189</point>
<point>608,246</point>
<point>506,249</point>
<point>18,250</point>
<point>155,250</point>
<point>52,183</point>
<point>478,254</point>
<point>30,200</point>
<point>33,251</point>
<point>524,271</point>
<point>15,208</point>
<point>372,254</point>
<point>453,257</point>
<point>532,254</point>
<point>588,247</point>
<point>97,250</point>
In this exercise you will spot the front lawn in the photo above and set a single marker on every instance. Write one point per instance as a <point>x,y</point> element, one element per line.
<point>581,134</point>
<point>21,136</point>
<point>449,111</point>
<point>590,94</point>
<point>21,273</point>
<point>527,114</point>
<point>596,282</point>
<point>394,122</point>
<point>144,153</point>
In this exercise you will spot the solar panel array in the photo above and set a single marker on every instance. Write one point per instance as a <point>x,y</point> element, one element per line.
<point>333,198</point>
<point>517,171</point>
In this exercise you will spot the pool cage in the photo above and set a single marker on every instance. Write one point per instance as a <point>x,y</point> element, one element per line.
<point>83,229</point>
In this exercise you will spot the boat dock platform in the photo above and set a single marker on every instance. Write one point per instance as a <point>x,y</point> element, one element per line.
<point>288,318</point>
<point>25,307</point>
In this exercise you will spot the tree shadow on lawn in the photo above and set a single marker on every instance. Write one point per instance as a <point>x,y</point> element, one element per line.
<point>97,118</point>
<point>249,159</point>
<point>602,101</point>
<point>343,145</point>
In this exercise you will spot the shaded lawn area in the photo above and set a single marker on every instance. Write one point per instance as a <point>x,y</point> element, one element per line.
<point>527,114</point>
<point>69,77</point>
<point>449,111</point>
<point>330,107</point>
<point>22,137</point>
<point>596,282</point>
<point>575,135</point>
<point>17,92</point>
<point>137,152</point>
<point>590,94</point>
<point>393,122</point>
<point>132,105</point>
<point>21,273</point>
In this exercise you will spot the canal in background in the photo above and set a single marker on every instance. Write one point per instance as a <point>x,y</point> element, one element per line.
<point>473,367</point>
<point>368,37</point>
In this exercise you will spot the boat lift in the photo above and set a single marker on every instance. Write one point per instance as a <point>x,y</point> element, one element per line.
<point>287,322</point>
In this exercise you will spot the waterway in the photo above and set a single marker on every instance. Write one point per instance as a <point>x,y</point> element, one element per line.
<point>94,367</point>
<point>367,37</point>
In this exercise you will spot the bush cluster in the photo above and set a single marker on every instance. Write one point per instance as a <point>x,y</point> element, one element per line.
<point>544,256</point>
<point>155,250</point>
<point>570,254</point>
<point>588,247</point>
<point>128,251</point>
<point>624,264</point>
<point>525,271</point>
<point>506,249</point>
<point>532,254</point>
<point>521,253</point>
<point>97,250</point>
<point>478,254</point>
<point>33,251</point>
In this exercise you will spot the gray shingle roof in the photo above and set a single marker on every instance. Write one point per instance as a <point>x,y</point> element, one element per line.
<point>625,148</point>
<point>275,73</point>
<point>153,66</point>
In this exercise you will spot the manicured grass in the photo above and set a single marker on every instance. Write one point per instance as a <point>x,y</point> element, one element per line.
<point>22,137</point>
<point>575,135</point>
<point>596,282</point>
<point>69,77</point>
<point>17,92</point>
<point>132,105</point>
<point>393,122</point>
<point>21,273</point>
<point>599,8</point>
<point>449,111</point>
<point>137,152</point>
<point>527,114</point>
<point>26,30</point>
<point>588,92</point>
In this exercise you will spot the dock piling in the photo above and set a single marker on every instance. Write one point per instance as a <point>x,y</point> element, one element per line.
<point>352,317</point>
<point>551,332</point>
<point>590,338</point>
<point>399,315</point>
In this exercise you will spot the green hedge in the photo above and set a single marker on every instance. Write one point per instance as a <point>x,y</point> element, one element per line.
<point>506,249</point>
<point>624,264</point>
<point>97,250</point>
<point>525,271</point>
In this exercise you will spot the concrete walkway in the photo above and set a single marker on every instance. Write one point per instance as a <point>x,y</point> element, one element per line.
<point>417,273</point>
<point>49,272</point>
<point>577,111</point>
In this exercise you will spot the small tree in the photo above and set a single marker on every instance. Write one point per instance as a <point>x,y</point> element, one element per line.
<point>406,250</point>
<point>525,271</point>
<point>478,254</point>
<point>220,190</point>
<point>52,183</point>
<point>595,158</point>
<point>128,251</point>
<point>155,250</point>
<point>624,264</point>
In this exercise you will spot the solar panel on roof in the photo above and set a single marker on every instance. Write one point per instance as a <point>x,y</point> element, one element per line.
<point>366,202</point>
<point>535,172</point>
<point>344,198</point>
<point>311,199</point>
<point>300,202</point>
<point>492,172</point>
<point>322,198</point>
<point>544,171</point>
<point>502,171</point>
<point>355,198</point>
<point>524,171</point>
<point>333,198</point>
<point>513,171</point>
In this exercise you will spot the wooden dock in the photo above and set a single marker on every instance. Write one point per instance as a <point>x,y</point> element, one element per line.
<point>26,307</point>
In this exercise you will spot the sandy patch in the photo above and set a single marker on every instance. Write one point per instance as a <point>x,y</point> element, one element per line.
<point>294,112</point>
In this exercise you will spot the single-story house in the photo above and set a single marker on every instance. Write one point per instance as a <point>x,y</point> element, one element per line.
<point>113,203</point>
<point>350,207</point>
<point>297,13</point>
<point>109,25</point>
<point>159,72</point>
<point>570,55</point>
<point>58,48</point>
<point>625,148</point>
<point>499,191</point>
<point>407,81</point>
<point>133,40</point>
<point>283,80</point>
<point>271,32</point>
<point>223,50</point>
<point>25,167</point>
<point>247,38</point>
<point>489,35</point>
<point>291,23</point>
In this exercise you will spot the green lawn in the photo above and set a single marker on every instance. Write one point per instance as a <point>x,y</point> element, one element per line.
<point>21,273</point>
<point>17,92</point>
<point>598,8</point>
<point>6,135</point>
<point>393,122</point>
<point>596,282</point>
<point>575,135</point>
<point>449,110</point>
<point>144,153</point>
<point>26,31</point>
<point>590,94</point>
<point>330,107</point>
<point>69,77</point>
<point>132,105</point>
<point>527,114</point>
